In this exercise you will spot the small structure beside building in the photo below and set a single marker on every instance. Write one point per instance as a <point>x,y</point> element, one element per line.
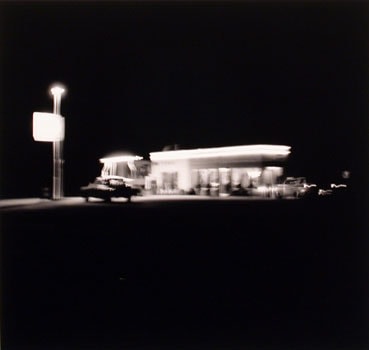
<point>217,170</point>
<point>131,167</point>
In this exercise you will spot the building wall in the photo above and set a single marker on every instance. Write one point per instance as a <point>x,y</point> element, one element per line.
<point>217,169</point>
<point>190,174</point>
<point>179,167</point>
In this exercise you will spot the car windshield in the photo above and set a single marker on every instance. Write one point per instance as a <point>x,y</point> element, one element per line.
<point>100,181</point>
<point>116,182</point>
<point>297,181</point>
<point>291,182</point>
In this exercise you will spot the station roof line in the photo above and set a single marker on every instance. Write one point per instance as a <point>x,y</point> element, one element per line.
<point>229,151</point>
<point>213,152</point>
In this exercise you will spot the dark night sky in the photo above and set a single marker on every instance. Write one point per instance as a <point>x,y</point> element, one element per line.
<point>143,75</point>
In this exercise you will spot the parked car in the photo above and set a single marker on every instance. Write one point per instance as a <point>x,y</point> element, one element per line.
<point>296,187</point>
<point>108,187</point>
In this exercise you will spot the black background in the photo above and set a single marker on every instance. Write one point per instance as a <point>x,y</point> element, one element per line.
<point>188,274</point>
<point>143,75</point>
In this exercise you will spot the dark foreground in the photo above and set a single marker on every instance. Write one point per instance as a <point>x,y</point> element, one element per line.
<point>189,275</point>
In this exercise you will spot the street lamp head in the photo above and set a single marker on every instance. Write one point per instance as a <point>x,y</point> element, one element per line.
<point>57,90</point>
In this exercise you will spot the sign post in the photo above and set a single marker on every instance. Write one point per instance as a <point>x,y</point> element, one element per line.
<point>50,127</point>
<point>58,192</point>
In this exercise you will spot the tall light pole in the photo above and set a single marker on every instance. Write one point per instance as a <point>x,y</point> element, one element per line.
<point>58,192</point>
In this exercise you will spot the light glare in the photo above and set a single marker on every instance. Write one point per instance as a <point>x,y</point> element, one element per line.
<point>272,150</point>
<point>118,159</point>
<point>57,90</point>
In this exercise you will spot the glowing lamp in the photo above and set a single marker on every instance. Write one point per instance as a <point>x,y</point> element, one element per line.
<point>57,91</point>
<point>48,127</point>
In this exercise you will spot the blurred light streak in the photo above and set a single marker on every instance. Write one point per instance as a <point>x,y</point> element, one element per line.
<point>117,159</point>
<point>257,150</point>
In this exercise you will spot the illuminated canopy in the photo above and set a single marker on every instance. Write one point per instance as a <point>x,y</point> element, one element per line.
<point>119,159</point>
<point>48,127</point>
<point>230,151</point>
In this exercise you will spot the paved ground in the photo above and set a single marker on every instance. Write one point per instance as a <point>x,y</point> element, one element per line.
<point>17,202</point>
<point>191,274</point>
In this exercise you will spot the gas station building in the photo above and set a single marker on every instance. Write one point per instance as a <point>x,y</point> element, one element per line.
<point>206,171</point>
